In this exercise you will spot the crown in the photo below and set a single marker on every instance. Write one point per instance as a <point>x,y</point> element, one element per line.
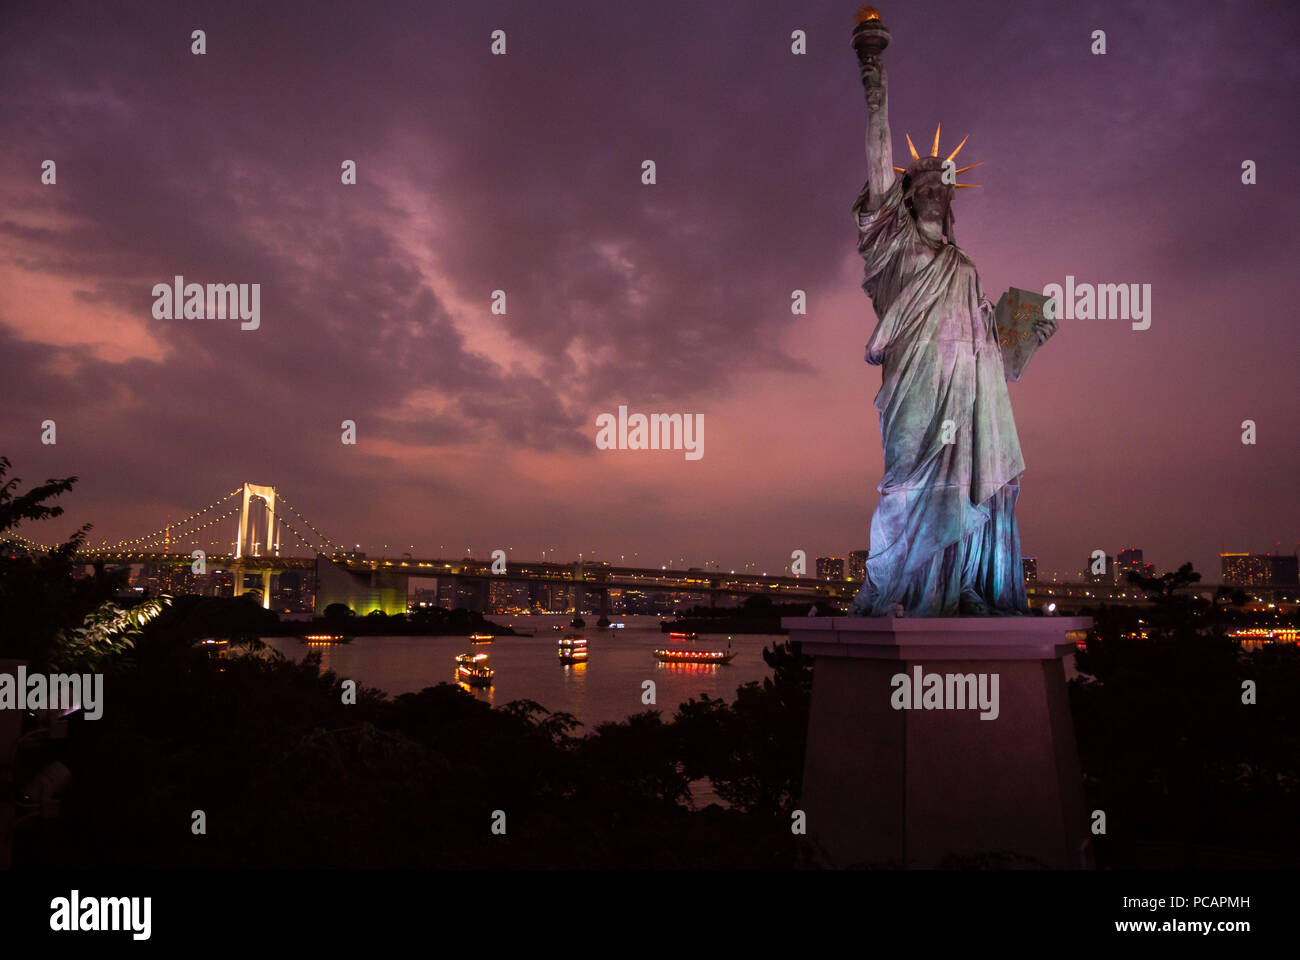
<point>920,166</point>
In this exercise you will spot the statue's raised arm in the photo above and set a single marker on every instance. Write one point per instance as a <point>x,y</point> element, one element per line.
<point>869,40</point>
<point>944,540</point>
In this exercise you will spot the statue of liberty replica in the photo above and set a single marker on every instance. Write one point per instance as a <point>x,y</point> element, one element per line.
<point>944,540</point>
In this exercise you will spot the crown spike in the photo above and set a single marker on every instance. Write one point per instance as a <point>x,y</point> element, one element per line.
<point>960,185</point>
<point>964,169</point>
<point>915,155</point>
<point>957,151</point>
<point>934,151</point>
<point>901,169</point>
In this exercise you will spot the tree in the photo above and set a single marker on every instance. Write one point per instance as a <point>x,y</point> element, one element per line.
<point>338,611</point>
<point>752,749</point>
<point>1168,741</point>
<point>51,615</point>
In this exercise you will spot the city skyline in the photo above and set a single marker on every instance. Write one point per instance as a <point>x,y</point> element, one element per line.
<point>477,173</point>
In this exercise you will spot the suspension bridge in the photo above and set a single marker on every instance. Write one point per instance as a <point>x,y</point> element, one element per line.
<point>271,536</point>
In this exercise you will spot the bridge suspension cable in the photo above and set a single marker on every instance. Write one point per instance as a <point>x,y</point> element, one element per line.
<point>203,526</point>
<point>161,533</point>
<point>14,538</point>
<point>324,540</point>
<point>301,539</point>
<point>141,543</point>
<point>172,532</point>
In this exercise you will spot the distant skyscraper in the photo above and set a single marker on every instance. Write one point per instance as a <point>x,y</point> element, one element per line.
<point>1285,570</point>
<point>1030,565</point>
<point>830,568</point>
<point>634,602</point>
<point>858,565</point>
<point>424,596</point>
<point>1106,576</point>
<point>1130,561</point>
<point>1246,569</point>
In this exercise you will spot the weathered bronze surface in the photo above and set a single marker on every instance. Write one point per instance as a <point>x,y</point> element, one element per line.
<point>944,539</point>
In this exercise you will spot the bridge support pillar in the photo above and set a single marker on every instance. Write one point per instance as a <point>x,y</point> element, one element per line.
<point>237,575</point>
<point>579,588</point>
<point>266,589</point>
<point>478,599</point>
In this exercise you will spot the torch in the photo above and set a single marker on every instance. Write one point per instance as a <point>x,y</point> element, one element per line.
<point>870,37</point>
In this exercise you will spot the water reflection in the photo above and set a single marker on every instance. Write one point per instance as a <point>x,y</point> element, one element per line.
<point>679,668</point>
<point>608,687</point>
<point>485,693</point>
<point>575,672</point>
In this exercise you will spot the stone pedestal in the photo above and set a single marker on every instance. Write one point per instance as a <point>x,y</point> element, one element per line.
<point>920,788</point>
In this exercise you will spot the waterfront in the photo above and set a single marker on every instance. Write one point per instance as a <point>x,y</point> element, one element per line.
<point>606,688</point>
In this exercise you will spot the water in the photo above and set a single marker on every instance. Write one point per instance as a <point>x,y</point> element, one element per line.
<point>608,687</point>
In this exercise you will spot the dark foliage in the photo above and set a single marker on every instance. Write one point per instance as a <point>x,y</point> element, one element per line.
<point>1188,774</point>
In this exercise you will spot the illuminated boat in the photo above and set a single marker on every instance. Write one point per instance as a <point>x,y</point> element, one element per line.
<point>477,638</point>
<point>688,652</point>
<point>473,669</point>
<point>216,646</point>
<point>324,639</point>
<point>557,627</point>
<point>573,649</point>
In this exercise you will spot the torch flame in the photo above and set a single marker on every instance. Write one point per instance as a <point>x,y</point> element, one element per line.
<point>866,13</point>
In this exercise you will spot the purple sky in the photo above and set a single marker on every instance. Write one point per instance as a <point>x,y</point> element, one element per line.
<point>522,173</point>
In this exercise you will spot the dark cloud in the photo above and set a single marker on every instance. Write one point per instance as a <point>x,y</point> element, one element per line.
<point>522,173</point>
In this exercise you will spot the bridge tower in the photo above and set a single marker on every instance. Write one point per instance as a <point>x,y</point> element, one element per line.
<point>246,522</point>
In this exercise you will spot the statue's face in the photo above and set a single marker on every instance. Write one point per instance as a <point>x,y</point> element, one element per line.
<point>930,203</point>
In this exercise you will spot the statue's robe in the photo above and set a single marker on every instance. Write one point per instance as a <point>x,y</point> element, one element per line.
<point>946,518</point>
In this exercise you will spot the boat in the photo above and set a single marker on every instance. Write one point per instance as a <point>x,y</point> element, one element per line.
<point>477,638</point>
<point>573,649</point>
<point>473,669</point>
<point>557,627</point>
<point>325,639</point>
<point>688,652</point>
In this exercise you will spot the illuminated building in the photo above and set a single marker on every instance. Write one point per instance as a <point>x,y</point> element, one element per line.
<point>858,565</point>
<point>830,568</point>
<point>1129,561</point>
<point>1246,569</point>
<point>634,602</point>
<point>550,597</point>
